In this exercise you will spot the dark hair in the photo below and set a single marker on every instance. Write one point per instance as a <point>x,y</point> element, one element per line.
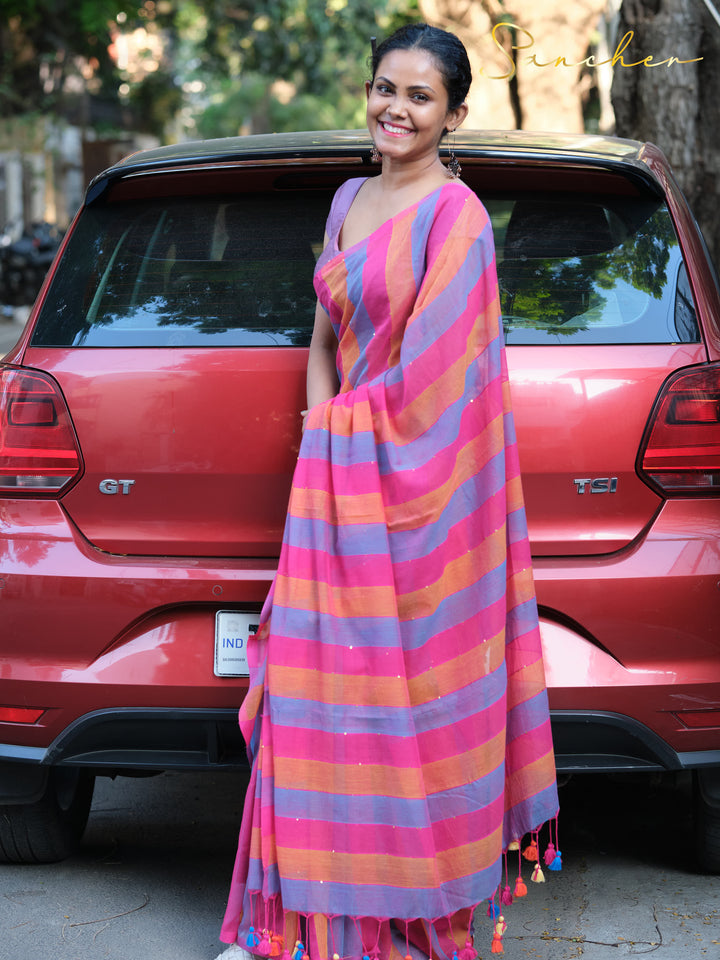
<point>447,51</point>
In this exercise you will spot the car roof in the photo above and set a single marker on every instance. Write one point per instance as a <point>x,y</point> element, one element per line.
<point>483,144</point>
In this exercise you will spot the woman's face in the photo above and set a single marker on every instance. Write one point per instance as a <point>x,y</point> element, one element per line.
<point>407,108</point>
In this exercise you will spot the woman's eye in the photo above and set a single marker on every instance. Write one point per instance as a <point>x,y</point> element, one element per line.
<point>384,88</point>
<point>420,97</point>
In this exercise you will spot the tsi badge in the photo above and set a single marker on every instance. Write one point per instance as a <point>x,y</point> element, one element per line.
<point>116,486</point>
<point>599,485</point>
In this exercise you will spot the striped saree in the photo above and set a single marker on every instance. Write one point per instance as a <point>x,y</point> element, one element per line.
<point>397,719</point>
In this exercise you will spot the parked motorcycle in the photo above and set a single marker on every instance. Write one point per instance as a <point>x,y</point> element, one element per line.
<point>24,261</point>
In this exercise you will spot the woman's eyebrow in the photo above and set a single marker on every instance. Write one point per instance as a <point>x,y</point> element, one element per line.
<point>413,86</point>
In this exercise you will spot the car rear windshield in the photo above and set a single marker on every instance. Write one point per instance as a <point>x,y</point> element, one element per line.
<point>237,271</point>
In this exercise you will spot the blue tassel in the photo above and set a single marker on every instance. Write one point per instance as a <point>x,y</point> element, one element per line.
<point>252,939</point>
<point>557,862</point>
<point>493,910</point>
<point>298,951</point>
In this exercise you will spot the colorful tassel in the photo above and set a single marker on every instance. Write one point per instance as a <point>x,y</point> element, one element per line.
<point>468,952</point>
<point>500,928</point>
<point>557,862</point>
<point>263,948</point>
<point>493,911</point>
<point>549,854</point>
<point>537,875</point>
<point>531,851</point>
<point>299,950</point>
<point>252,939</point>
<point>514,845</point>
<point>506,897</point>
<point>520,888</point>
<point>277,945</point>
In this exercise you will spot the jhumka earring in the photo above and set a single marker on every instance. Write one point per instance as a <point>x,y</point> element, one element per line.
<point>454,164</point>
<point>375,154</point>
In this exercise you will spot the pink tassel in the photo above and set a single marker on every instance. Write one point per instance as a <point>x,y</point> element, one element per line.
<point>549,854</point>
<point>468,952</point>
<point>263,948</point>
<point>506,897</point>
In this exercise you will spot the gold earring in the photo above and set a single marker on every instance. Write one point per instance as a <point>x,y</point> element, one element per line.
<point>375,154</point>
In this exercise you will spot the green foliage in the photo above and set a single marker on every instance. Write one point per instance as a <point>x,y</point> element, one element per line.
<point>319,49</point>
<point>221,64</point>
<point>39,43</point>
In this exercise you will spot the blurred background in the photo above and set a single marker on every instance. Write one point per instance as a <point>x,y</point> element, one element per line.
<point>86,82</point>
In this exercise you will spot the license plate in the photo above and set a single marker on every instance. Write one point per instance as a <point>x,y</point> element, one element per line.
<point>232,630</point>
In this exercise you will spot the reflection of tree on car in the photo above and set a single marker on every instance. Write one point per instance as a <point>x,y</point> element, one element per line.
<point>586,269</point>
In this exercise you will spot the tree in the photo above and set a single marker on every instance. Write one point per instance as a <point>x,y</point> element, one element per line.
<point>271,65</point>
<point>675,104</point>
<point>45,43</point>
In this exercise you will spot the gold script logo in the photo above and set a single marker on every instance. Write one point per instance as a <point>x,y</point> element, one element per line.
<point>617,58</point>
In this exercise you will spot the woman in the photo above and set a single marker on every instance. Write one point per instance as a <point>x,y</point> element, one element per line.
<point>397,715</point>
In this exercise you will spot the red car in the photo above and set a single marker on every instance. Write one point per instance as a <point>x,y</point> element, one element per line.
<point>149,423</point>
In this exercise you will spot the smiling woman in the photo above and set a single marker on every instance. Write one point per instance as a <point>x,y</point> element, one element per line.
<point>397,720</point>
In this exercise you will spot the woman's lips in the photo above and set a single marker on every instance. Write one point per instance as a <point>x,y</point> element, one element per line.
<point>393,130</point>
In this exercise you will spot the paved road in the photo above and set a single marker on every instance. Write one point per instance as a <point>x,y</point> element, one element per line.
<point>152,875</point>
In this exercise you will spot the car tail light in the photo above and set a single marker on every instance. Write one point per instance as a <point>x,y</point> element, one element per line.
<point>38,449</point>
<point>20,714</point>
<point>680,454</point>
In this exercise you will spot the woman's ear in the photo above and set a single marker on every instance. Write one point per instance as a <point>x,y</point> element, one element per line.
<point>456,117</point>
<point>368,88</point>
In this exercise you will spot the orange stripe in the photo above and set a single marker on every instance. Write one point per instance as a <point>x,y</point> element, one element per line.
<point>454,674</point>
<point>349,779</point>
<point>459,574</point>
<point>375,869</point>
<point>337,688</point>
<point>470,460</point>
<point>467,767</point>
<point>338,509</point>
<point>530,780</point>
<point>525,684</point>
<point>365,601</point>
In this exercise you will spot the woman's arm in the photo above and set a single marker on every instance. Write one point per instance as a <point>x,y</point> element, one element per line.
<point>322,378</point>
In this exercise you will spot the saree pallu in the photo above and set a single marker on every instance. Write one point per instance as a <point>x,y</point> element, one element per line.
<point>397,721</point>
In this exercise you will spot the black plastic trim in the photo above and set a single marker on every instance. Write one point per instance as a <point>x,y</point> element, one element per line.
<point>156,739</point>
<point>596,742</point>
<point>152,739</point>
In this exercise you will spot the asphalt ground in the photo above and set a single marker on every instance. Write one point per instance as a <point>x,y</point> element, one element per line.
<point>151,878</point>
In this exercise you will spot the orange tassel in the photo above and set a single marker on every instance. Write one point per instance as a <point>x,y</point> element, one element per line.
<point>531,851</point>
<point>500,928</point>
<point>520,888</point>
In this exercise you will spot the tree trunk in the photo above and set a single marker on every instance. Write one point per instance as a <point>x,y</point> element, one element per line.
<point>676,105</point>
